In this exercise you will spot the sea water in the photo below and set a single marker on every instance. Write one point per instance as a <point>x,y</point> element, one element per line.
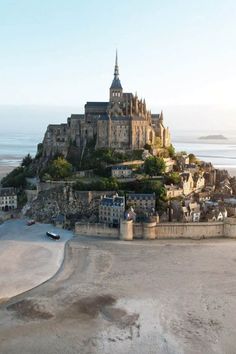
<point>222,153</point>
<point>14,146</point>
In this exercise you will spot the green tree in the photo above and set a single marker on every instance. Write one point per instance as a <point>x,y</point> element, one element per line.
<point>193,159</point>
<point>60,168</point>
<point>173,178</point>
<point>171,151</point>
<point>15,178</point>
<point>27,160</point>
<point>154,166</point>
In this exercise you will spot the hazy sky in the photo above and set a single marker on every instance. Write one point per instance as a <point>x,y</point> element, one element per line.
<point>172,52</point>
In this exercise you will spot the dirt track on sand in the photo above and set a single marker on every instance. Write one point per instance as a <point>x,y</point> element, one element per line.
<point>138,297</point>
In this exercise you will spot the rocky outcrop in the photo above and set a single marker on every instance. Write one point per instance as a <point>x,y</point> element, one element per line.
<point>63,200</point>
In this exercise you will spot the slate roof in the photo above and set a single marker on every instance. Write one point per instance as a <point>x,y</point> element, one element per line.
<point>112,201</point>
<point>116,84</point>
<point>6,192</point>
<point>96,104</point>
<point>76,116</point>
<point>141,196</point>
<point>121,168</point>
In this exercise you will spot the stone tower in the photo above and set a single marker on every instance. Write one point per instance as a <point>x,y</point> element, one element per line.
<point>116,90</point>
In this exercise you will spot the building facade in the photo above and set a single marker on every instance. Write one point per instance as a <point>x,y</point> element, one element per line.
<point>8,199</point>
<point>141,202</point>
<point>121,171</point>
<point>111,210</point>
<point>123,123</point>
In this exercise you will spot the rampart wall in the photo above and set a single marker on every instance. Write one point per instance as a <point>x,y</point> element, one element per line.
<point>88,229</point>
<point>190,230</point>
<point>152,230</point>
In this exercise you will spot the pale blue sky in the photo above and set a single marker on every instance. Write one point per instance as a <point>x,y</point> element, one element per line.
<point>172,52</point>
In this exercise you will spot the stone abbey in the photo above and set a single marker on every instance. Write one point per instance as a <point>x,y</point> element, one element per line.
<point>123,123</point>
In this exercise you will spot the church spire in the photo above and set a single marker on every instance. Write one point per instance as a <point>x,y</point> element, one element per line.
<point>116,81</point>
<point>116,71</point>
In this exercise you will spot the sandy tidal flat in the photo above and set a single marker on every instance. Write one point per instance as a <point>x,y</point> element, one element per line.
<point>27,256</point>
<point>165,297</point>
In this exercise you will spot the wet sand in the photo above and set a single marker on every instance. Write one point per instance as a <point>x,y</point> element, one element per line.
<point>138,297</point>
<point>4,170</point>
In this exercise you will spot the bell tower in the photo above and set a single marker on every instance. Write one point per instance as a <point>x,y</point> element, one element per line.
<point>116,90</point>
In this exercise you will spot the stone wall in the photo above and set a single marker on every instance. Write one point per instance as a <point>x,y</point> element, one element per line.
<point>151,231</point>
<point>230,227</point>
<point>190,230</point>
<point>102,230</point>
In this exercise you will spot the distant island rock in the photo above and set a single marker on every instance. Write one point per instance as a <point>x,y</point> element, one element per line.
<point>213,137</point>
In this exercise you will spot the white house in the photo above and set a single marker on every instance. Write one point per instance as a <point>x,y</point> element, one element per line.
<point>8,199</point>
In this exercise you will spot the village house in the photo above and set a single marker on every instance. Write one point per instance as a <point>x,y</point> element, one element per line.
<point>217,214</point>
<point>225,188</point>
<point>111,210</point>
<point>199,182</point>
<point>191,167</point>
<point>182,160</point>
<point>169,163</point>
<point>141,202</point>
<point>186,183</point>
<point>8,199</point>
<point>173,191</point>
<point>191,212</point>
<point>121,171</point>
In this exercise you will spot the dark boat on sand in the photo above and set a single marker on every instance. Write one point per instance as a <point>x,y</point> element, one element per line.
<point>53,236</point>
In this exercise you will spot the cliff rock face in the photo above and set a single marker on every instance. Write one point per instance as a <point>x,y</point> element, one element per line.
<point>74,205</point>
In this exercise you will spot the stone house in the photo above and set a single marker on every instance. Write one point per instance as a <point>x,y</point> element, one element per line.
<point>182,160</point>
<point>225,187</point>
<point>121,171</point>
<point>8,199</point>
<point>111,209</point>
<point>173,191</point>
<point>141,202</point>
<point>191,212</point>
<point>186,183</point>
<point>191,167</point>
<point>218,214</point>
<point>199,182</point>
<point>169,164</point>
